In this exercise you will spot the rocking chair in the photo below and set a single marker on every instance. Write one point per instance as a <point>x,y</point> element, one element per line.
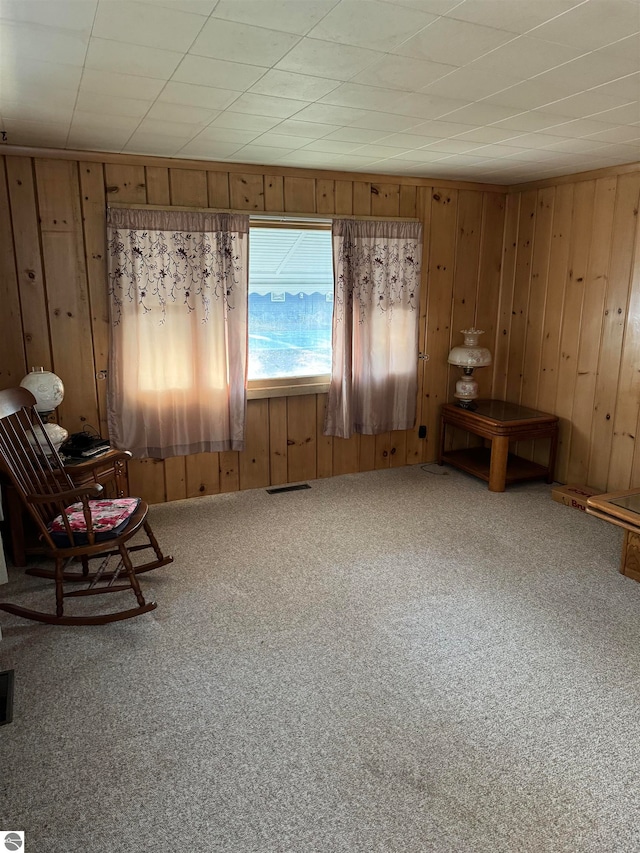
<point>73,525</point>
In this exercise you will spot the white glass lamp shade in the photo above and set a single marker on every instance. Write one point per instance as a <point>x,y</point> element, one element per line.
<point>46,387</point>
<point>470,354</point>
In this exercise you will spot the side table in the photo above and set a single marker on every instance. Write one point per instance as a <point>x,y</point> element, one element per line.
<point>623,510</point>
<point>500,422</point>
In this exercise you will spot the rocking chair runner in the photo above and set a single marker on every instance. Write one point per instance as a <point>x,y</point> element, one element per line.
<point>71,533</point>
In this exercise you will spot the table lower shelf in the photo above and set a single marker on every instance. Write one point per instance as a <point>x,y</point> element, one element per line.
<point>477,461</point>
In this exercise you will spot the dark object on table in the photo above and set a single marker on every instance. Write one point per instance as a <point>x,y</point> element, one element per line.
<point>83,445</point>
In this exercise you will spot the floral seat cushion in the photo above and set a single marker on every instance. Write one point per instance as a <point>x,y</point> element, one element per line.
<point>109,518</point>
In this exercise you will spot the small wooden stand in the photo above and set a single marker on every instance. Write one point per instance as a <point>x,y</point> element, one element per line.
<point>623,510</point>
<point>501,423</point>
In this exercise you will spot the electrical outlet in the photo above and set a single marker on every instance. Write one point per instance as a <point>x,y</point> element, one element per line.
<point>422,431</point>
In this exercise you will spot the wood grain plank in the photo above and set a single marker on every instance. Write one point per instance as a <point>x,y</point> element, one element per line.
<point>175,478</point>
<point>383,450</point>
<point>362,198</point>
<point>125,183</point>
<point>613,325</point>
<point>591,329</point>
<point>274,193</point>
<point>31,281</point>
<point>188,187</point>
<point>507,283</point>
<point>385,199</point>
<point>571,319</point>
<point>218,190</point>
<point>344,197</point>
<point>246,191</point>
<point>95,246</point>
<point>325,196</point>
<point>346,454</point>
<point>441,271</point>
<point>301,438</point>
<point>229,471</point>
<point>278,440</point>
<point>146,480</point>
<point>299,195</point>
<point>488,296</point>
<point>157,181</point>
<point>203,474</point>
<point>254,460</point>
<point>12,355</point>
<point>408,200</point>
<point>367,454</point>
<point>67,291</point>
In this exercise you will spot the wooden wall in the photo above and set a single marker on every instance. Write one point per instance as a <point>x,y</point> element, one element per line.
<point>53,290</point>
<point>568,336</point>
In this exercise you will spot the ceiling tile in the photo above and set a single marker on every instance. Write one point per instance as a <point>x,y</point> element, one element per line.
<point>43,134</point>
<point>577,127</point>
<point>517,17</point>
<point>196,7</point>
<point>192,95</point>
<point>242,43</point>
<point>377,149</point>
<point>624,87</point>
<point>289,16</point>
<point>327,59</point>
<point>308,129</point>
<point>453,42</point>
<point>592,25</point>
<point>41,113</point>
<point>425,106</point>
<point>475,84</point>
<point>332,146</point>
<point>97,139</point>
<point>203,71</point>
<point>382,27</point>
<point>440,129</point>
<point>525,57</point>
<point>420,155</point>
<point>245,121</point>
<point>116,56</point>
<point>181,113</point>
<point>481,113</point>
<point>286,84</point>
<point>328,114</point>
<point>67,14</point>
<point>583,105</point>
<point>617,134</point>
<point>228,135</point>
<point>362,97</point>
<point>528,95</point>
<point>260,154</point>
<point>47,44</point>
<point>529,121</point>
<point>489,134</point>
<point>154,143</point>
<point>431,7</point>
<point>626,114</point>
<point>184,130</point>
<point>144,24</point>
<point>383,121</point>
<point>406,140</point>
<point>355,134</point>
<point>282,140</point>
<point>121,85</point>
<point>95,102</point>
<point>584,145</point>
<point>85,120</point>
<point>266,105</point>
<point>402,72</point>
<point>208,149</point>
<point>452,146</point>
<point>38,80</point>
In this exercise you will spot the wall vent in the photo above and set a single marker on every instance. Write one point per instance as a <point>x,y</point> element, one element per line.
<point>278,489</point>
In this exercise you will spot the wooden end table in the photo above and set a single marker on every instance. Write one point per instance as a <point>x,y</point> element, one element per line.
<point>623,510</point>
<point>109,469</point>
<point>500,422</point>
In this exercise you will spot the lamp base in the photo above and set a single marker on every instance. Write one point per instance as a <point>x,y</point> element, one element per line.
<point>471,405</point>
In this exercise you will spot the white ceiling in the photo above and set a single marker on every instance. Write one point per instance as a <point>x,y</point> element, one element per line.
<point>488,90</point>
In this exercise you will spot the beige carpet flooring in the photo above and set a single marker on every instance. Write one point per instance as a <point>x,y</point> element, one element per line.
<point>397,661</point>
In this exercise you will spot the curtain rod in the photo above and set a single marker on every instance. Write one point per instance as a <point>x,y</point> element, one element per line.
<point>260,214</point>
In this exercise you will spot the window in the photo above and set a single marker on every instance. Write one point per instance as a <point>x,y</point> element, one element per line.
<point>290,304</point>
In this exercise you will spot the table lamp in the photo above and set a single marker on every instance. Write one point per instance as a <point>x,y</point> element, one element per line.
<point>48,390</point>
<point>468,356</point>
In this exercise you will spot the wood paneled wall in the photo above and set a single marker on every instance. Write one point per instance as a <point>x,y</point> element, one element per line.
<point>53,288</point>
<point>568,336</point>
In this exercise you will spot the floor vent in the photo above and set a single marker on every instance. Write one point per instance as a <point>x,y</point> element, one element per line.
<point>278,489</point>
<point>6,697</point>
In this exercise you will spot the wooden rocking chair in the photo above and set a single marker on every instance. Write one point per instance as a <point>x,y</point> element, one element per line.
<point>87,530</point>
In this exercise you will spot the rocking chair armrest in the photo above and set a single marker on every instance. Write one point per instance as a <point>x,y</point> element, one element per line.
<point>91,490</point>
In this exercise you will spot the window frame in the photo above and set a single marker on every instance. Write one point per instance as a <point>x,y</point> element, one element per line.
<point>287,386</point>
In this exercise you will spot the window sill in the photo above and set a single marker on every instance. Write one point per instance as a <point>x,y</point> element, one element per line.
<point>258,389</point>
